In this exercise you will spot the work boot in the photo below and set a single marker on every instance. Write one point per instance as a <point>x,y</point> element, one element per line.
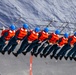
<point>9,52</point>
<point>56,57</point>
<point>35,55</point>
<point>51,56</point>
<point>61,57</point>
<point>70,58</point>
<point>65,57</point>
<point>45,56</point>
<point>15,54</point>
<point>75,59</point>
<point>24,53</point>
<point>3,52</point>
<point>41,55</point>
<point>32,53</point>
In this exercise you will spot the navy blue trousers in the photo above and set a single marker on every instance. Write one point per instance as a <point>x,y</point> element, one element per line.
<point>51,49</point>
<point>2,44</point>
<point>40,49</point>
<point>36,45</point>
<point>46,49</point>
<point>72,52</point>
<point>23,46</point>
<point>33,45</point>
<point>11,45</point>
<point>64,49</point>
<point>37,49</point>
<point>55,50</point>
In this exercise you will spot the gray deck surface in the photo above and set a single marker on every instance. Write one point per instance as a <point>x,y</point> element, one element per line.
<point>10,65</point>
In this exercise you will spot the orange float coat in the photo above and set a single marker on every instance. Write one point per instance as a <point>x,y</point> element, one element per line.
<point>10,34</point>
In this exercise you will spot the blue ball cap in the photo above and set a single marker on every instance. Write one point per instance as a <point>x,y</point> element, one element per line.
<point>25,26</point>
<point>12,27</point>
<point>57,32</point>
<point>46,29</point>
<point>37,29</point>
<point>66,35</point>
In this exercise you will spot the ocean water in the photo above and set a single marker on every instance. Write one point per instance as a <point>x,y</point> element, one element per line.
<point>39,13</point>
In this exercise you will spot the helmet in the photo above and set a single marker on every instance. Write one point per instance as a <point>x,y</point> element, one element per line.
<point>25,26</point>
<point>12,27</point>
<point>66,35</point>
<point>37,29</point>
<point>57,32</point>
<point>75,34</point>
<point>46,29</point>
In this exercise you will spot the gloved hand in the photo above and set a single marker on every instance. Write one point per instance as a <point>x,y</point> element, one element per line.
<point>72,45</point>
<point>18,41</point>
<point>29,41</point>
<point>40,42</point>
<point>6,42</point>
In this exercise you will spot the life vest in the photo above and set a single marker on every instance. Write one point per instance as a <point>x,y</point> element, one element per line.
<point>63,41</point>
<point>10,34</point>
<point>22,33</point>
<point>54,38</point>
<point>43,36</point>
<point>73,40</point>
<point>33,36</point>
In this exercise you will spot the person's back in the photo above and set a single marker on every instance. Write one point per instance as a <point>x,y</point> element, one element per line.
<point>43,36</point>
<point>62,41</point>
<point>6,36</point>
<point>20,34</point>
<point>53,41</point>
<point>67,46</point>
<point>31,38</point>
<point>54,38</point>
<point>71,40</point>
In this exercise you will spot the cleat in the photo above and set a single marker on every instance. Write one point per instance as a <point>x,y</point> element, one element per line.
<point>3,52</point>
<point>15,54</point>
<point>66,58</point>
<point>56,57</point>
<point>24,53</point>
<point>41,55</point>
<point>35,55</point>
<point>70,58</point>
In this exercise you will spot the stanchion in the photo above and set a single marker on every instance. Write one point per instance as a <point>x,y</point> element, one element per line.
<point>17,20</point>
